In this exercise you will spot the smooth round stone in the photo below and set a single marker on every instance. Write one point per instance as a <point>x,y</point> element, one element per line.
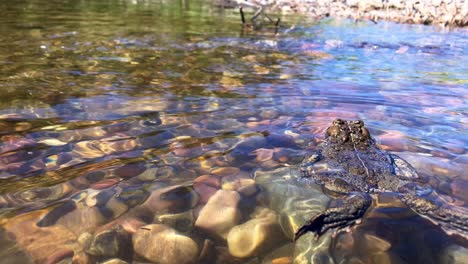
<point>173,199</point>
<point>104,184</point>
<point>114,261</point>
<point>281,141</point>
<point>208,180</point>
<point>269,114</point>
<point>224,124</point>
<point>455,254</point>
<point>162,244</point>
<point>283,260</point>
<point>248,188</point>
<point>85,239</point>
<point>131,225</point>
<point>258,235</point>
<point>269,164</point>
<point>263,154</point>
<point>116,207</point>
<point>41,244</point>
<point>220,213</point>
<point>180,150</point>
<point>244,186</point>
<point>225,171</point>
<point>148,175</point>
<point>129,170</point>
<point>83,219</point>
<point>114,242</point>
<point>165,172</point>
<point>205,191</point>
<point>459,188</point>
<point>291,156</point>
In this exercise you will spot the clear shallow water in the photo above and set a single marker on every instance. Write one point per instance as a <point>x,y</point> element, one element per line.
<point>120,96</point>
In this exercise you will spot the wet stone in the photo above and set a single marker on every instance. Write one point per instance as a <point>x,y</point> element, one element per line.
<point>114,242</point>
<point>173,199</point>
<point>220,213</point>
<point>206,186</point>
<point>225,171</point>
<point>281,141</point>
<point>455,254</point>
<point>283,260</point>
<point>129,170</point>
<point>78,220</point>
<point>241,151</point>
<point>147,175</point>
<point>104,184</point>
<point>261,233</point>
<point>10,253</point>
<point>114,261</point>
<point>208,180</point>
<point>263,154</point>
<point>225,124</point>
<point>53,243</point>
<point>162,244</point>
<point>287,155</point>
<point>459,188</point>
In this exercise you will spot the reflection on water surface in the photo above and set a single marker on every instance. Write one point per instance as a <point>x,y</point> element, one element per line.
<point>119,114</point>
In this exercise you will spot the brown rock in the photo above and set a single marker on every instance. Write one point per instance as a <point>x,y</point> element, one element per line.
<point>282,260</point>
<point>52,243</point>
<point>173,199</point>
<point>114,242</point>
<point>163,245</point>
<point>226,171</point>
<point>220,213</point>
<point>255,236</point>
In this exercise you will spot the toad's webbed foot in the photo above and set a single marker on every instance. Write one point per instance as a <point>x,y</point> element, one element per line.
<point>452,219</point>
<point>347,213</point>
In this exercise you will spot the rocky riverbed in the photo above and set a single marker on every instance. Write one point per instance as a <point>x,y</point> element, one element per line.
<point>437,12</point>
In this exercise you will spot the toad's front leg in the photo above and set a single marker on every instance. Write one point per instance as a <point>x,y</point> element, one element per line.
<point>346,213</point>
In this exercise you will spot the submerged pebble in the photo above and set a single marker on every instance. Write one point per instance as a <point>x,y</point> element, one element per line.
<point>257,235</point>
<point>162,244</point>
<point>220,213</point>
<point>171,199</point>
<point>113,242</point>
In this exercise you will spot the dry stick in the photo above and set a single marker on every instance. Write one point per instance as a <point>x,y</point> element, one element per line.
<point>277,22</point>
<point>259,11</point>
<point>269,18</point>
<point>277,25</point>
<point>242,15</point>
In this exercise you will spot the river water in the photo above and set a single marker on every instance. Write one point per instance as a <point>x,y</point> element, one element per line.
<point>129,113</point>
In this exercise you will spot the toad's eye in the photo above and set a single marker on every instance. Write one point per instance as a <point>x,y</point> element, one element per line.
<point>358,122</point>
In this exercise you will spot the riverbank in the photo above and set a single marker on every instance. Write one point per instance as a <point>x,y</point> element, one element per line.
<point>436,12</point>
